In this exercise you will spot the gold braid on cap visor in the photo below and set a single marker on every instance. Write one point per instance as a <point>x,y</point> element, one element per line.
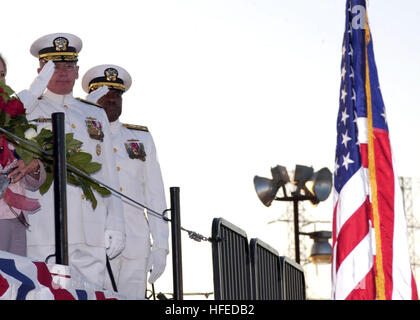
<point>112,85</point>
<point>59,56</point>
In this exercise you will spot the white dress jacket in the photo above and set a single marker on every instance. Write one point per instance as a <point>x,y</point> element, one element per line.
<point>85,225</point>
<point>140,179</point>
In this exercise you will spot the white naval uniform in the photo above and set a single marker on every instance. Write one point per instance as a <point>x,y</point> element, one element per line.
<point>141,181</point>
<point>86,227</point>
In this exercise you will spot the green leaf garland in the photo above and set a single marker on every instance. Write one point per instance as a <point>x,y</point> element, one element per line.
<point>81,160</point>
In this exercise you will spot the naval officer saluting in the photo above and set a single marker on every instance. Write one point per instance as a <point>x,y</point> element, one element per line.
<point>92,233</point>
<point>140,178</point>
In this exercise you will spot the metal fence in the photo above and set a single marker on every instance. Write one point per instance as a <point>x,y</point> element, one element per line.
<point>293,280</point>
<point>266,271</point>
<point>243,271</point>
<point>231,263</point>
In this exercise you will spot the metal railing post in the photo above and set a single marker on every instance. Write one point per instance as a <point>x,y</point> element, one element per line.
<point>176,244</point>
<point>296,228</point>
<point>60,193</point>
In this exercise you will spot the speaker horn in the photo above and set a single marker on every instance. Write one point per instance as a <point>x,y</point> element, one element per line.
<point>322,184</point>
<point>266,189</point>
<point>301,176</point>
<point>280,174</point>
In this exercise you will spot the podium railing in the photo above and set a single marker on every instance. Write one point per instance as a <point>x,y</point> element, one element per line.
<point>243,271</point>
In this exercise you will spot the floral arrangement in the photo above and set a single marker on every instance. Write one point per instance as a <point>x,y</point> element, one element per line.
<point>13,119</point>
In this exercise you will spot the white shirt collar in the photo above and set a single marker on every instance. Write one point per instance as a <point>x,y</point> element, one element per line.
<point>115,126</point>
<point>58,98</point>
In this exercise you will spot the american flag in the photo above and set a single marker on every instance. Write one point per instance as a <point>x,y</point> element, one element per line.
<point>370,245</point>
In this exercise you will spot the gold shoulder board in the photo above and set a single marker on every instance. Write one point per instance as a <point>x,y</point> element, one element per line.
<point>135,127</point>
<point>89,102</point>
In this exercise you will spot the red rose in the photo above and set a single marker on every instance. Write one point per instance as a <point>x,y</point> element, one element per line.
<point>14,107</point>
<point>2,104</point>
<point>4,151</point>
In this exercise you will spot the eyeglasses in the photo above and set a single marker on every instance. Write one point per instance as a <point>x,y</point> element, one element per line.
<point>68,67</point>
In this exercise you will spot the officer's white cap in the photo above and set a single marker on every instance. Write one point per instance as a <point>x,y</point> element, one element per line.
<point>110,75</point>
<point>57,47</point>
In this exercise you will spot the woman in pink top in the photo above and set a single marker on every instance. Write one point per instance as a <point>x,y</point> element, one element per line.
<point>15,177</point>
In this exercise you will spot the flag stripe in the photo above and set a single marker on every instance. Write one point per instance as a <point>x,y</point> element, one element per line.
<point>353,232</point>
<point>4,285</point>
<point>81,294</point>
<point>385,182</point>
<point>45,278</point>
<point>8,266</point>
<point>348,276</point>
<point>351,198</point>
<point>365,289</point>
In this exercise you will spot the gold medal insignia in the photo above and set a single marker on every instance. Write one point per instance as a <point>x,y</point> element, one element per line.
<point>94,128</point>
<point>98,149</point>
<point>135,150</point>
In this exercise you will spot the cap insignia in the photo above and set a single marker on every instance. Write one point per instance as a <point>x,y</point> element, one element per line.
<point>111,74</point>
<point>60,44</point>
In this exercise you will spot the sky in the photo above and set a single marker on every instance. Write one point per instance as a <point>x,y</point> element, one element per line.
<point>229,89</point>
